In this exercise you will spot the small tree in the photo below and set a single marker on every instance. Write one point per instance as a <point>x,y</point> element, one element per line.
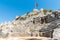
<point>50,10</point>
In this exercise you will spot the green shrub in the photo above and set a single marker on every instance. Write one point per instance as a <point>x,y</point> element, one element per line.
<point>45,11</point>
<point>50,10</point>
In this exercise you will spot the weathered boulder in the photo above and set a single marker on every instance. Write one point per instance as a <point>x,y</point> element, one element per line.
<point>56,33</point>
<point>48,31</point>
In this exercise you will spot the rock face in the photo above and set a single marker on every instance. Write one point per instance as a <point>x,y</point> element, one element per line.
<point>56,33</point>
<point>49,18</point>
<point>34,23</point>
<point>31,25</point>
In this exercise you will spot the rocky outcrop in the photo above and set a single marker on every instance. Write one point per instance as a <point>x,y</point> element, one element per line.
<point>34,23</point>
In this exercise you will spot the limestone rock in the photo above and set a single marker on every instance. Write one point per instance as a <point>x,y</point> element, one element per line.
<point>56,33</point>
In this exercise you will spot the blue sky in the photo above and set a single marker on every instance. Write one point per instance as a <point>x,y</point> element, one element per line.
<point>9,9</point>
